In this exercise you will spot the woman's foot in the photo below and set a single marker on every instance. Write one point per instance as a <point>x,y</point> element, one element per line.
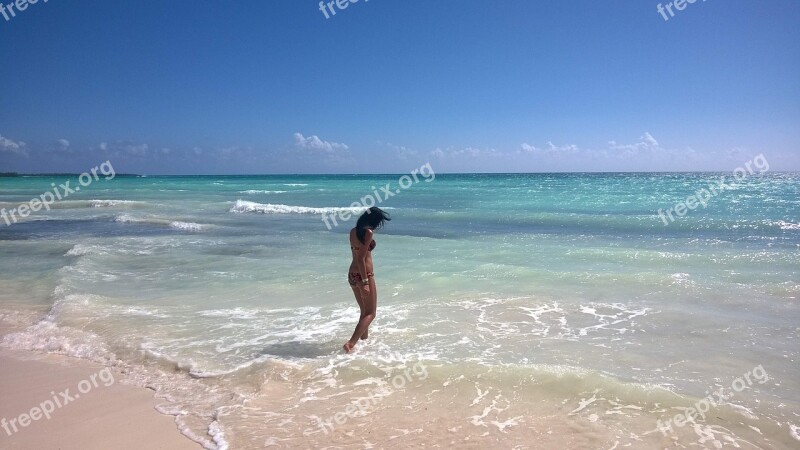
<point>348,346</point>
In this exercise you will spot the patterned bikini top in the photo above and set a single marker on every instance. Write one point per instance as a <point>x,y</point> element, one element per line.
<point>371,246</point>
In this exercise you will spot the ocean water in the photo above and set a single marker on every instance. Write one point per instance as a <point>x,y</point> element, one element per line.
<point>514,311</point>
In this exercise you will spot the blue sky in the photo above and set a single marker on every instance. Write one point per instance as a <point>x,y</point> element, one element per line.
<point>186,87</point>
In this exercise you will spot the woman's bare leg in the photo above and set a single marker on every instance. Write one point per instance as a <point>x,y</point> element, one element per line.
<point>368,310</point>
<point>373,291</point>
<point>357,294</point>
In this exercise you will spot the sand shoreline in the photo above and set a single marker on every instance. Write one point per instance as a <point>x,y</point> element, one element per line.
<point>88,407</point>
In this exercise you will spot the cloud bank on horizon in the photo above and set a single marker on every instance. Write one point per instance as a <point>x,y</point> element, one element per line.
<point>323,156</point>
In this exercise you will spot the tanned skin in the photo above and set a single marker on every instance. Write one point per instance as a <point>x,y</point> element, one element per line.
<point>366,294</point>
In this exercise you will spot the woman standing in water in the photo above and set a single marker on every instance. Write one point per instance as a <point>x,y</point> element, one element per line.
<point>360,276</point>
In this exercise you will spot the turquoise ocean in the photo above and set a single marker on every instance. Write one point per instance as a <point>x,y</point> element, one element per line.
<point>514,311</point>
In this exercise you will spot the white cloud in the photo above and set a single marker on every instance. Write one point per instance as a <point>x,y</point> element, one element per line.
<point>646,153</point>
<point>466,152</point>
<point>315,143</point>
<point>63,143</point>
<point>647,143</point>
<point>735,152</point>
<point>7,145</point>
<point>123,148</point>
<point>401,151</point>
<point>549,149</point>
<point>649,139</point>
<point>406,154</point>
<point>234,150</point>
<point>137,150</point>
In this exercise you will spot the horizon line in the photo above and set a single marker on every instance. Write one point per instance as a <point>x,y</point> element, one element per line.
<point>142,175</point>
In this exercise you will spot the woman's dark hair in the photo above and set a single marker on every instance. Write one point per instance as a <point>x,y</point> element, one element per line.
<point>373,218</point>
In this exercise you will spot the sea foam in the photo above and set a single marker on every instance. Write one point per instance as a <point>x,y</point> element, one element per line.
<point>244,206</point>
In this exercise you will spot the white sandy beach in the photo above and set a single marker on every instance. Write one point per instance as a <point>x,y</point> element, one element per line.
<point>116,416</point>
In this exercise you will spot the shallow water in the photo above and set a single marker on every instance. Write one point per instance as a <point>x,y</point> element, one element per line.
<point>524,311</point>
